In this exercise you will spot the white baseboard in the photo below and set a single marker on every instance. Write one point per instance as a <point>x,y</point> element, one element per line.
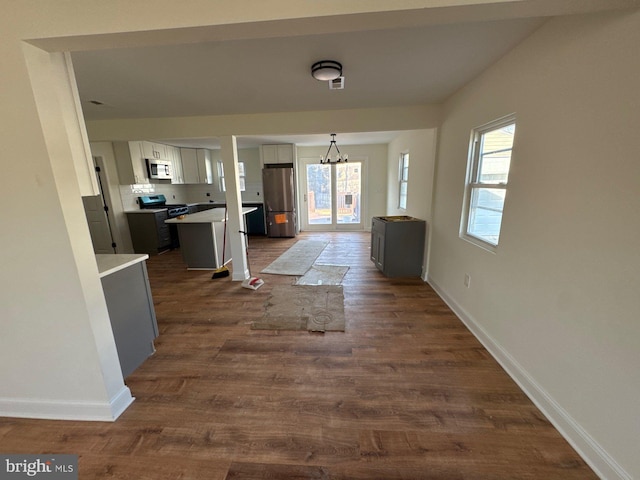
<point>121,401</point>
<point>591,452</point>
<point>53,410</point>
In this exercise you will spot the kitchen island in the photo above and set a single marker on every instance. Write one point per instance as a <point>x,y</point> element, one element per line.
<point>133,319</point>
<point>202,238</point>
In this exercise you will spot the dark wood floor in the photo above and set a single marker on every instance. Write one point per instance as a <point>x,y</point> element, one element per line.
<point>405,393</point>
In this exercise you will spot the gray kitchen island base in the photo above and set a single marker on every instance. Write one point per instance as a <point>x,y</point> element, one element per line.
<point>199,244</point>
<point>202,238</point>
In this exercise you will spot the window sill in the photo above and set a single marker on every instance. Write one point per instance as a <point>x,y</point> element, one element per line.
<point>480,243</point>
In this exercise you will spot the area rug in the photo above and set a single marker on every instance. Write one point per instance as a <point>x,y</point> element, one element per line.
<point>323,275</point>
<point>298,259</point>
<point>303,307</point>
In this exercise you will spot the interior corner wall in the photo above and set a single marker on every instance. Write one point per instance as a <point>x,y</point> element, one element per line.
<point>421,147</point>
<point>558,302</point>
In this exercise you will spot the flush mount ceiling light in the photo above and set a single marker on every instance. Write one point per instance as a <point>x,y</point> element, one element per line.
<point>326,70</point>
<point>328,157</point>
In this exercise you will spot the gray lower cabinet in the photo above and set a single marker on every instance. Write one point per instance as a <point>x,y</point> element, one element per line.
<point>149,233</point>
<point>132,315</point>
<point>202,207</point>
<point>397,245</point>
<point>255,220</point>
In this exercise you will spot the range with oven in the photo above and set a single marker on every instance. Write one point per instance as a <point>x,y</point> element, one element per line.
<point>149,232</point>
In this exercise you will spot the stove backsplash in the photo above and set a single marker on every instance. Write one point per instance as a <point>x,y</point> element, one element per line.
<point>130,193</point>
<point>184,193</point>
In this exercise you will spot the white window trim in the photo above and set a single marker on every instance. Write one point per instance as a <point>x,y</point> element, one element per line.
<point>221,182</point>
<point>401,181</point>
<point>470,183</point>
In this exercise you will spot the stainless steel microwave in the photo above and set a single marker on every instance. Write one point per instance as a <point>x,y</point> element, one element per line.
<point>159,168</point>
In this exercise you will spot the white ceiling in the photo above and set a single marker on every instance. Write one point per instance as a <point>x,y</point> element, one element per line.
<point>311,140</point>
<point>382,68</point>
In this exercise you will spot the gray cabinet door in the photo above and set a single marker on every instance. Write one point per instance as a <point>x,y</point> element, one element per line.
<point>377,248</point>
<point>397,245</point>
<point>132,315</point>
<point>149,233</point>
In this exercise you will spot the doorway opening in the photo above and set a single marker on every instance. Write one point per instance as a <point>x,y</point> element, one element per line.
<point>98,213</point>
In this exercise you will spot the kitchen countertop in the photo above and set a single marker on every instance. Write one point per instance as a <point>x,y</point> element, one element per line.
<point>147,210</point>
<point>111,263</point>
<point>193,204</point>
<point>221,204</point>
<point>207,216</point>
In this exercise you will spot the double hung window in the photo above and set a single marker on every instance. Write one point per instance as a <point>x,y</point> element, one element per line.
<point>487,180</point>
<point>223,186</point>
<point>403,180</point>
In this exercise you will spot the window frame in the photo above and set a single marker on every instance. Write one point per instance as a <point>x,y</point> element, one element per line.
<point>403,181</point>
<point>473,183</point>
<point>243,179</point>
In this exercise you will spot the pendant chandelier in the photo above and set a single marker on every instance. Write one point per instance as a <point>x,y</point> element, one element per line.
<point>328,158</point>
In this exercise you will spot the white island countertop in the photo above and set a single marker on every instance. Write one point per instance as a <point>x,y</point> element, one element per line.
<point>111,263</point>
<point>206,216</point>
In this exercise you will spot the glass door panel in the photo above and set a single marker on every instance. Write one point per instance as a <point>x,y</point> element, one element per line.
<point>319,194</point>
<point>348,190</point>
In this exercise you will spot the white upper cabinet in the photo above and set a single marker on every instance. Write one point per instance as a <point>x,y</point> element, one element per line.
<point>173,154</point>
<point>196,165</point>
<point>284,153</point>
<point>130,162</point>
<point>176,165</point>
<point>205,169</point>
<point>189,165</point>
<point>156,151</point>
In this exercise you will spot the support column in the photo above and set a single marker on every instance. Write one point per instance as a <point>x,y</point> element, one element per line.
<point>229,156</point>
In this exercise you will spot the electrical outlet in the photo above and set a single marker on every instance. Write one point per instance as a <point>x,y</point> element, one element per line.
<point>467,280</point>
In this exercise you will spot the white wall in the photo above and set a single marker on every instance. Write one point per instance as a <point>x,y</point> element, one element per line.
<point>375,180</point>
<point>421,147</point>
<point>58,353</point>
<point>253,174</point>
<point>558,302</point>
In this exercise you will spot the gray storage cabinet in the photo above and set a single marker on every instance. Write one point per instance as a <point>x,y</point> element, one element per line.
<point>149,233</point>
<point>397,245</point>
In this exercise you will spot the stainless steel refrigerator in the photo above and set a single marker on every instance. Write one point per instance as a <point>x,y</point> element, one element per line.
<point>279,200</point>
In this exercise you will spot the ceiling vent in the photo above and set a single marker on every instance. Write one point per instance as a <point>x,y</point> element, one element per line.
<point>336,83</point>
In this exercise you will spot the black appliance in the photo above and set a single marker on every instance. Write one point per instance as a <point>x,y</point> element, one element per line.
<point>173,211</point>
